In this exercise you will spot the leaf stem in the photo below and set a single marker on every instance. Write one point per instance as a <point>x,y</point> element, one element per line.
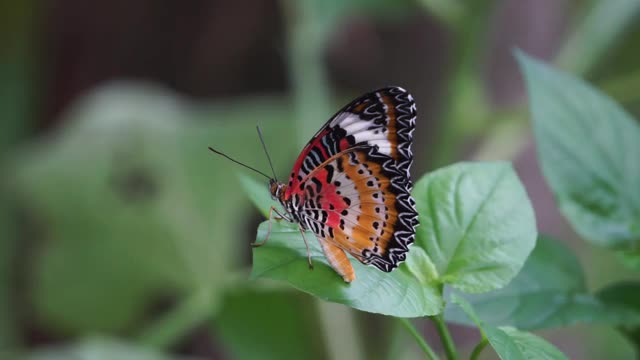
<point>623,88</point>
<point>464,97</point>
<point>447,340</point>
<point>168,330</point>
<point>312,101</point>
<point>478,349</point>
<point>416,335</point>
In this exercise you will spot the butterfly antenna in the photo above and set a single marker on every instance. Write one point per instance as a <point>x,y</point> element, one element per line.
<point>239,163</point>
<point>266,152</point>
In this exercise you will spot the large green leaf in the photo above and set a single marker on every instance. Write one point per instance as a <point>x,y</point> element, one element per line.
<point>398,293</point>
<point>588,148</point>
<point>551,272</point>
<point>284,257</point>
<point>473,200</point>
<point>510,343</point>
<point>476,224</point>
<point>132,203</point>
<point>267,324</point>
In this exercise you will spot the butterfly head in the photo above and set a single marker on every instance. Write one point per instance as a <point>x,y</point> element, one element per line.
<point>277,189</point>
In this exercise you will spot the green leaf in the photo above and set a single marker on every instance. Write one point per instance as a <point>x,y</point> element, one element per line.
<point>258,192</point>
<point>476,224</point>
<point>510,343</point>
<point>588,148</point>
<point>599,28</point>
<point>549,292</point>
<point>624,294</point>
<point>132,203</point>
<point>398,293</point>
<point>286,330</point>
<point>99,349</point>
<point>630,259</point>
<point>473,202</point>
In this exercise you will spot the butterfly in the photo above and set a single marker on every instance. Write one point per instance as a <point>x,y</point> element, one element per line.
<point>351,186</point>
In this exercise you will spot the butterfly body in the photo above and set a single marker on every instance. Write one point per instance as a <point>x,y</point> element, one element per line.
<point>350,185</point>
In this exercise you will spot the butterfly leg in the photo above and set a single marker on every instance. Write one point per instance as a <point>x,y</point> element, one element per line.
<point>271,217</point>
<point>307,245</point>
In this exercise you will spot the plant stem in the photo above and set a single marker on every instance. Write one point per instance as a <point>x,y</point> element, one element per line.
<point>623,88</point>
<point>310,87</point>
<point>339,328</point>
<point>464,99</point>
<point>447,341</point>
<point>416,335</point>
<point>478,349</point>
<point>173,326</point>
<point>312,103</point>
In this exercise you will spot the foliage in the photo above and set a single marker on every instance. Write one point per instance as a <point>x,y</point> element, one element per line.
<point>139,230</point>
<point>551,272</point>
<point>509,342</point>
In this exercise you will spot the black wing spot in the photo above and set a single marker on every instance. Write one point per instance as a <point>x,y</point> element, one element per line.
<point>329,173</point>
<point>318,184</point>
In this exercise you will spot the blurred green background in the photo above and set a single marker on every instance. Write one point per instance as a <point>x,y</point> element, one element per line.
<point>122,237</point>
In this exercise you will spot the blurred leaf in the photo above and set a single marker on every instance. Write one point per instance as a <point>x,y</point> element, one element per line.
<point>587,147</point>
<point>258,324</point>
<point>134,204</point>
<point>258,193</point>
<point>476,224</point>
<point>173,326</point>
<point>549,291</point>
<point>510,343</point>
<point>617,73</point>
<point>597,31</point>
<point>448,11</point>
<point>624,294</point>
<point>15,99</point>
<point>326,14</point>
<point>99,349</point>
<point>630,259</point>
<point>8,323</point>
<point>18,71</point>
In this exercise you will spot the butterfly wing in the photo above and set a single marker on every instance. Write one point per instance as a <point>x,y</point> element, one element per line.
<point>352,181</point>
<point>384,118</point>
<point>361,203</point>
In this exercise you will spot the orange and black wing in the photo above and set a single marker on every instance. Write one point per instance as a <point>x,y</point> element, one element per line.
<point>360,202</point>
<point>383,119</point>
<point>351,184</point>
